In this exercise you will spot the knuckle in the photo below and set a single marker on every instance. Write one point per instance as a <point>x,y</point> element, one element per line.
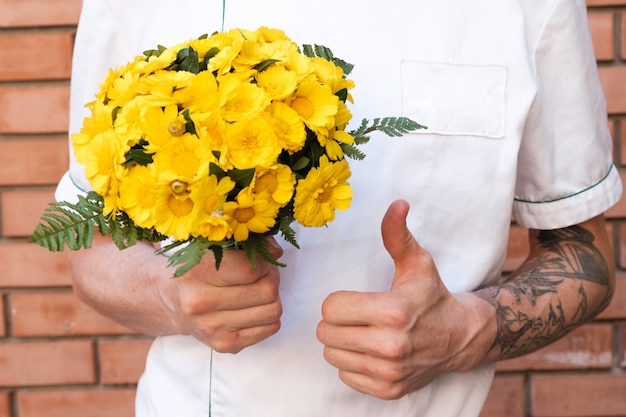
<point>395,349</point>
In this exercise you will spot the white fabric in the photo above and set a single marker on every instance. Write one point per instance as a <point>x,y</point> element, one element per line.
<point>494,79</point>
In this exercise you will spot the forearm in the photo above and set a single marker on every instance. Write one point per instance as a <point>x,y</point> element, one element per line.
<point>127,286</point>
<point>566,281</point>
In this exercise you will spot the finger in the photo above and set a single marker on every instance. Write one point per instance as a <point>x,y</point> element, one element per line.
<point>397,238</point>
<point>238,340</point>
<point>198,298</point>
<point>366,374</point>
<point>369,340</point>
<point>352,308</point>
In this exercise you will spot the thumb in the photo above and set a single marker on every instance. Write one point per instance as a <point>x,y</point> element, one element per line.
<point>399,242</point>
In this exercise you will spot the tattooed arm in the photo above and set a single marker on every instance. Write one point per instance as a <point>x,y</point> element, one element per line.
<point>566,280</point>
<point>390,343</point>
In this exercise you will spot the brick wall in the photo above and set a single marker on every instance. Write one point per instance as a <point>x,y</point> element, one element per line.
<point>60,359</point>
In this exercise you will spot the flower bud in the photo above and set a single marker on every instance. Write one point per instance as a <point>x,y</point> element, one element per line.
<point>178,187</point>
<point>176,128</point>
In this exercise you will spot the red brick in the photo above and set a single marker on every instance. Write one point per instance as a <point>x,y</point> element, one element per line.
<point>5,404</point>
<point>46,363</point>
<point>614,87</point>
<point>619,209</point>
<point>605,3</point>
<point>36,55</point>
<point>39,12</point>
<point>34,109</point>
<point>622,136</point>
<point>623,30</point>
<point>506,398</point>
<point>57,314</point>
<point>617,308</point>
<point>602,28</point>
<point>122,361</point>
<point>518,248</point>
<point>3,331</point>
<point>29,265</point>
<point>21,210</point>
<point>623,345</point>
<point>31,161</point>
<point>578,395</point>
<point>622,246</point>
<point>587,347</point>
<point>77,403</point>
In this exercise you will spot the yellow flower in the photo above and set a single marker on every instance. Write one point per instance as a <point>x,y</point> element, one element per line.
<point>316,105</point>
<point>128,123</point>
<point>239,99</point>
<point>174,214</point>
<point>122,89</point>
<point>288,126</point>
<point>210,196</point>
<point>250,213</point>
<point>278,182</point>
<point>331,75</point>
<point>337,134</point>
<point>102,158</point>
<point>229,45</point>
<point>100,120</point>
<point>323,191</point>
<point>161,125</point>
<point>138,195</point>
<point>165,87</point>
<point>251,143</point>
<point>277,81</point>
<point>201,94</point>
<point>183,159</point>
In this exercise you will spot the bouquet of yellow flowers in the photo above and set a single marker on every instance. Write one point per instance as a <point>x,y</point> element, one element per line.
<point>215,143</point>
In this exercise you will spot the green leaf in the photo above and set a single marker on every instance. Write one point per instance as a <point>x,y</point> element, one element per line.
<point>216,170</point>
<point>190,62</point>
<point>257,243</point>
<point>242,177</point>
<point>190,127</point>
<point>394,126</point>
<point>307,50</point>
<point>301,163</point>
<point>287,231</point>
<point>67,224</point>
<point>342,94</point>
<point>352,152</point>
<point>154,52</point>
<point>187,256</point>
<point>263,65</point>
<point>138,155</point>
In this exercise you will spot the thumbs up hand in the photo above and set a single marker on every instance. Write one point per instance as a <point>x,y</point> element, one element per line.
<point>392,343</point>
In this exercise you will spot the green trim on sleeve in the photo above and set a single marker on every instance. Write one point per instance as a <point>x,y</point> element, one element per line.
<point>521,200</point>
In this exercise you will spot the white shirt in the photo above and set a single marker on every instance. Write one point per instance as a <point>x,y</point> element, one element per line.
<point>517,123</point>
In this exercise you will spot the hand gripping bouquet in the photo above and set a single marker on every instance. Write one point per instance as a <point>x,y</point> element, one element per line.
<point>212,144</point>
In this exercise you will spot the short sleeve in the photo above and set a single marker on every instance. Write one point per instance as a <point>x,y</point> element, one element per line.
<point>565,172</point>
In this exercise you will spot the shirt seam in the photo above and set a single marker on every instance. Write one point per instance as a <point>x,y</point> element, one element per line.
<point>521,200</point>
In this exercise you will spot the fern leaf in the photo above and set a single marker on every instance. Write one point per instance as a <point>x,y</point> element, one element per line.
<point>64,223</point>
<point>351,151</point>
<point>287,231</point>
<point>187,256</point>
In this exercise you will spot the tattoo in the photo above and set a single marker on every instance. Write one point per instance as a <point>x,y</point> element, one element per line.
<point>565,254</point>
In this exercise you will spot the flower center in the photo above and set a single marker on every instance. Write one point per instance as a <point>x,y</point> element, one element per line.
<point>266,182</point>
<point>303,106</point>
<point>178,187</point>
<point>180,207</point>
<point>325,194</point>
<point>176,128</point>
<point>243,214</point>
<point>212,203</point>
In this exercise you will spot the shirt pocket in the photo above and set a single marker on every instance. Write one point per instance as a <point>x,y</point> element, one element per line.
<point>455,99</point>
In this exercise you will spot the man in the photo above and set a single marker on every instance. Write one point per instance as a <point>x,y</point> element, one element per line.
<point>356,324</point>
